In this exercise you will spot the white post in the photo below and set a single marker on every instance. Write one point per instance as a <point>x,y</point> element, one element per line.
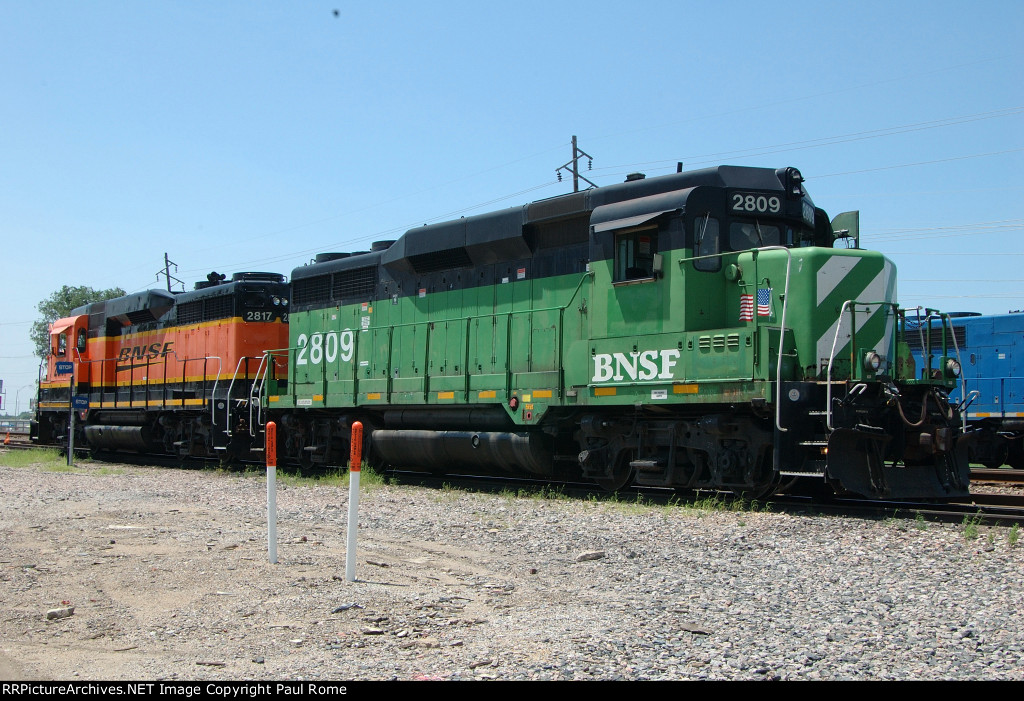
<point>270,453</point>
<point>355,461</point>
<point>272,513</point>
<point>353,524</point>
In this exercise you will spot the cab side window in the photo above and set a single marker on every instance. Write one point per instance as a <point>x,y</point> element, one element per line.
<point>80,341</point>
<point>62,344</point>
<point>634,254</point>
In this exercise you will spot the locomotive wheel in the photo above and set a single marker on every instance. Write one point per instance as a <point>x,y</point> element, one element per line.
<point>1015,455</point>
<point>622,474</point>
<point>762,490</point>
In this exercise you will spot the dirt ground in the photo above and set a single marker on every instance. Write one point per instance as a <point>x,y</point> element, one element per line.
<point>169,576</point>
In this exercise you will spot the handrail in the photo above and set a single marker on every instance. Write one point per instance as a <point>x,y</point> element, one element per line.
<point>926,351</point>
<point>259,381</point>
<point>959,360</point>
<point>835,339</point>
<point>231,386</point>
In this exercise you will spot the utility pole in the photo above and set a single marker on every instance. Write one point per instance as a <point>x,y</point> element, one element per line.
<point>167,273</point>
<point>573,166</point>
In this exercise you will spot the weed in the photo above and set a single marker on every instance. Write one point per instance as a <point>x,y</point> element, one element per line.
<point>970,524</point>
<point>1014,535</point>
<point>446,493</point>
<point>920,523</point>
<point>552,492</point>
<point>637,506</point>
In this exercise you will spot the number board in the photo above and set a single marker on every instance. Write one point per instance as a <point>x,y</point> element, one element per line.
<point>755,203</point>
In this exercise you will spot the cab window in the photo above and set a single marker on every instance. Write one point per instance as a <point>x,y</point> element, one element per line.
<point>62,344</point>
<point>746,235</point>
<point>80,340</point>
<point>706,243</point>
<point>634,254</point>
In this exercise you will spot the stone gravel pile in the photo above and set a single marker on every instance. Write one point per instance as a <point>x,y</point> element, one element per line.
<point>168,576</point>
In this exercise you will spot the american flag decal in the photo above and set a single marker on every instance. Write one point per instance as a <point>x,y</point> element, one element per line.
<point>764,305</point>
<point>746,307</point>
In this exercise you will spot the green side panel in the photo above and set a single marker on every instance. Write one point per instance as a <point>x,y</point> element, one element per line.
<point>340,354</point>
<point>521,326</point>
<point>636,307</point>
<point>408,352</point>
<point>483,358</point>
<point>544,346</point>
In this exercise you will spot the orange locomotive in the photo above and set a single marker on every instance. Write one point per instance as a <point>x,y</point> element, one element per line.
<point>164,372</point>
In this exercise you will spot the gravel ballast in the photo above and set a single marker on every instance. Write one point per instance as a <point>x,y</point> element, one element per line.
<point>164,574</point>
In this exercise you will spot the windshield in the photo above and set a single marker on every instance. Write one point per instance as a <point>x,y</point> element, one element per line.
<point>747,235</point>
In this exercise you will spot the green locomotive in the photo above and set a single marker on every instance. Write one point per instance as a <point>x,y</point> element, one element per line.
<point>705,330</point>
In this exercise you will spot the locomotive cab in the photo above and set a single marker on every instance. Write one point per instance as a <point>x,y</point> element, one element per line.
<point>67,367</point>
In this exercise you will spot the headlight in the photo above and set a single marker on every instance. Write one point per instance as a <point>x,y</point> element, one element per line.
<point>872,361</point>
<point>953,367</point>
<point>277,301</point>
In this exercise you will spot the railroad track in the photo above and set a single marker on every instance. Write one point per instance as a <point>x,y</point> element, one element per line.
<point>1002,474</point>
<point>981,508</point>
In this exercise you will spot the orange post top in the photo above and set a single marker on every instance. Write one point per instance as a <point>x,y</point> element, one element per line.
<point>271,447</point>
<point>356,456</point>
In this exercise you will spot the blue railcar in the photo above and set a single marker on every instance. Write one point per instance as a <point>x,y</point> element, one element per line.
<point>992,357</point>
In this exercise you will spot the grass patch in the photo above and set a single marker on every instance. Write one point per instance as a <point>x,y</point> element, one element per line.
<point>1014,534</point>
<point>47,459</point>
<point>332,477</point>
<point>697,504</point>
<point>630,506</point>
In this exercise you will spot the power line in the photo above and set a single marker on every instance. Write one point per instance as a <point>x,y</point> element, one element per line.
<point>772,105</point>
<point>922,163</point>
<point>756,151</point>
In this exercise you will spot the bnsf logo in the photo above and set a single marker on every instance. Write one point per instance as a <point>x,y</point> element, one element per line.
<point>645,365</point>
<point>144,352</point>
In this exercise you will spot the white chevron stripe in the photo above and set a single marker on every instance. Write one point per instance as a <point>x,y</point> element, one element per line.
<point>882,287</point>
<point>835,270</point>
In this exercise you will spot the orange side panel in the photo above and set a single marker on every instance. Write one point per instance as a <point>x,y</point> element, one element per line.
<point>188,354</point>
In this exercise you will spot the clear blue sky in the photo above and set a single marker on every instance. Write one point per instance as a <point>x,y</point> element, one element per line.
<point>251,135</point>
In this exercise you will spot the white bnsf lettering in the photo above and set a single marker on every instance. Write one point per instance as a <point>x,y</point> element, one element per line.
<point>637,365</point>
